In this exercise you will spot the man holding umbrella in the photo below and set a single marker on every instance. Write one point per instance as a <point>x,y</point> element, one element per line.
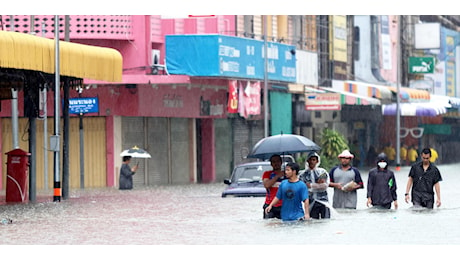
<point>126,174</point>
<point>274,146</point>
<point>272,180</point>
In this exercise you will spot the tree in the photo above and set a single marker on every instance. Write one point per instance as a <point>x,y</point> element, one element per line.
<point>332,144</point>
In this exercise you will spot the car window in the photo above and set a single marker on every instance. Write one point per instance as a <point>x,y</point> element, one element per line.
<point>250,173</point>
<point>287,158</point>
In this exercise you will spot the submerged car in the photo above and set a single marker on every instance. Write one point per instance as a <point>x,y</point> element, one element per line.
<point>246,180</point>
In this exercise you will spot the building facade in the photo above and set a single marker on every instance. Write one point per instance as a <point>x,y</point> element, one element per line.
<point>193,89</point>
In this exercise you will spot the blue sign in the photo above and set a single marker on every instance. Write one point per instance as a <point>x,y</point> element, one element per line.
<point>229,56</point>
<point>83,105</point>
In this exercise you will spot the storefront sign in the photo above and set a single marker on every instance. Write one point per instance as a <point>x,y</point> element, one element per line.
<point>322,101</point>
<point>228,56</point>
<point>232,106</point>
<point>421,65</point>
<point>83,105</point>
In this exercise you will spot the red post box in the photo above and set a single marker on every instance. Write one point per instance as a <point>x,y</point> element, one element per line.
<point>17,175</point>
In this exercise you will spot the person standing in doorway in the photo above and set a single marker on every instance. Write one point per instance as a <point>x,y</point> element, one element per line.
<point>345,179</point>
<point>272,179</point>
<point>381,185</point>
<point>317,180</point>
<point>292,192</point>
<point>423,176</point>
<point>126,174</point>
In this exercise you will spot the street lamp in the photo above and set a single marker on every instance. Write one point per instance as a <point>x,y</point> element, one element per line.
<point>398,83</point>
<point>265,78</point>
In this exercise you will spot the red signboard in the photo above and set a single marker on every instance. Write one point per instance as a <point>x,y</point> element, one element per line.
<point>232,106</point>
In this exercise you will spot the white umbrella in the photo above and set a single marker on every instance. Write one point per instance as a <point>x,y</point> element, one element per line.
<point>136,152</point>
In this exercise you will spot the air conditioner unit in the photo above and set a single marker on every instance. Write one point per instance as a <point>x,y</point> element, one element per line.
<point>156,57</point>
<point>155,61</point>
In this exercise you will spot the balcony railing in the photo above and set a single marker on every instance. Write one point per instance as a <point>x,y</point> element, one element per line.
<point>110,27</point>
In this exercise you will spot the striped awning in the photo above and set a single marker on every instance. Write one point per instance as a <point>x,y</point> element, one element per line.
<point>29,52</point>
<point>414,109</point>
<point>384,93</point>
<point>365,89</point>
<point>449,102</point>
<point>325,98</point>
<point>348,98</point>
<point>411,94</point>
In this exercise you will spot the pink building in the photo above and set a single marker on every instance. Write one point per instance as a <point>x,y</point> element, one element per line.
<point>171,116</point>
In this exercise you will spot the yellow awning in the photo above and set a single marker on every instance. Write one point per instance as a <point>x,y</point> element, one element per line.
<point>29,52</point>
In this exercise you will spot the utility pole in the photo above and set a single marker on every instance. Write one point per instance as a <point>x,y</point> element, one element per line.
<point>45,126</point>
<point>32,92</point>
<point>265,78</point>
<point>398,98</point>
<point>55,138</point>
<point>66,131</point>
<point>14,104</point>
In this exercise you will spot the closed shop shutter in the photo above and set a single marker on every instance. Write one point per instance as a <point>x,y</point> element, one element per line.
<point>133,135</point>
<point>180,151</point>
<point>247,134</point>
<point>167,140</point>
<point>224,148</point>
<point>94,135</point>
<point>158,139</point>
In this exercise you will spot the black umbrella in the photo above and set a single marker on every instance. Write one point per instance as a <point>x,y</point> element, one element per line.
<point>136,152</point>
<point>282,144</point>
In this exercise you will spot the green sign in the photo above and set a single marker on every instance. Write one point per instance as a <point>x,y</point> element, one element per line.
<point>421,65</point>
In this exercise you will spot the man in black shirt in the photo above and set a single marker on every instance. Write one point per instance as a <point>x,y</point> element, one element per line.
<point>423,176</point>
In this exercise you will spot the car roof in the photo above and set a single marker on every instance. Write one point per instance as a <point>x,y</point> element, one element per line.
<point>254,163</point>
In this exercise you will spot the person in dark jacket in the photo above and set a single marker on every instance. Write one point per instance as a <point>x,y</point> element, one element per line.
<point>423,177</point>
<point>381,185</point>
<point>126,174</point>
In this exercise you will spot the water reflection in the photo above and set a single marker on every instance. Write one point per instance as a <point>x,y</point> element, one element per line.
<point>197,215</point>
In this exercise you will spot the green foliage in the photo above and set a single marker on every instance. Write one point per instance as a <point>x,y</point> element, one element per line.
<point>301,161</point>
<point>332,144</point>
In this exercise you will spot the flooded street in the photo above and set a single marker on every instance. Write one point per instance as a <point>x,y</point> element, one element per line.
<point>197,215</point>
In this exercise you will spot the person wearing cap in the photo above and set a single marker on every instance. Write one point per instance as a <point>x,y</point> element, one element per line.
<point>317,180</point>
<point>381,185</point>
<point>271,180</point>
<point>423,176</point>
<point>345,179</point>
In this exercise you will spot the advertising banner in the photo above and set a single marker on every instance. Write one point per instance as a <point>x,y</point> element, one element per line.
<point>232,106</point>
<point>322,101</point>
<point>228,56</point>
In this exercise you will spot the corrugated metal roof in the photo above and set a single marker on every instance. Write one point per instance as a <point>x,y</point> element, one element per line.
<point>29,52</point>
